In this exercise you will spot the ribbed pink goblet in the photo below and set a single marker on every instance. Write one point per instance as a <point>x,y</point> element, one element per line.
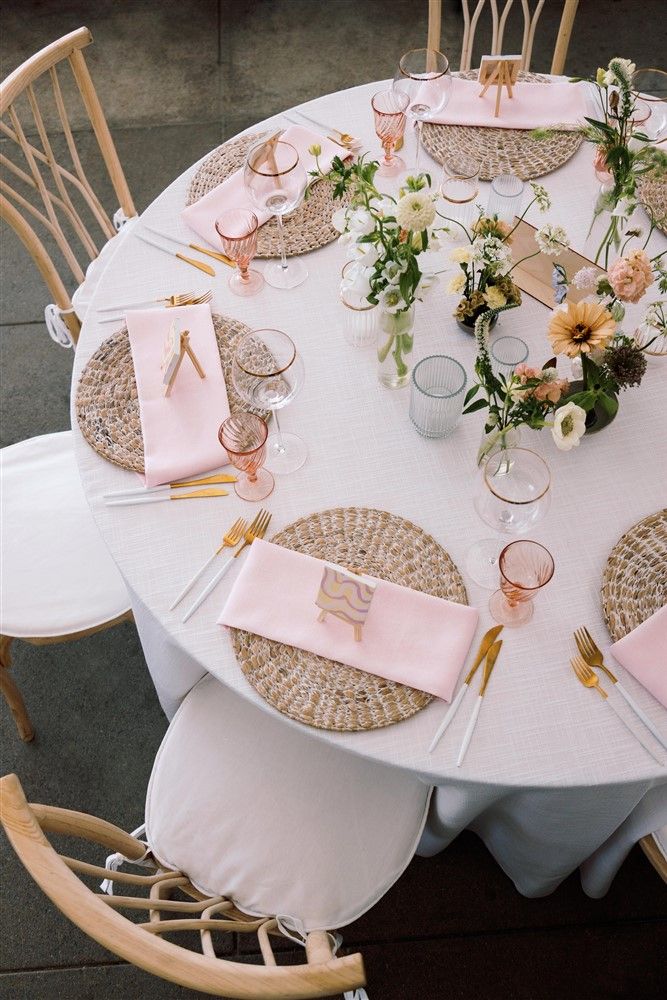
<point>237,229</point>
<point>525,567</point>
<point>243,436</point>
<point>389,111</point>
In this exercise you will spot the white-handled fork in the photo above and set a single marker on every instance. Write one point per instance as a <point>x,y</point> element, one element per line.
<point>232,538</point>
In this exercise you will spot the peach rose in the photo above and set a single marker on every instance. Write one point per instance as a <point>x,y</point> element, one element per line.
<point>630,276</point>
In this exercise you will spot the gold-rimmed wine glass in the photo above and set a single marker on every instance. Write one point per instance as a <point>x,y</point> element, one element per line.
<point>649,86</point>
<point>276,181</point>
<point>268,372</point>
<point>423,74</point>
<point>513,494</point>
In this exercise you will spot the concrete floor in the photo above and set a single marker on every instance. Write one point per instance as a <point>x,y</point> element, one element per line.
<point>168,103</point>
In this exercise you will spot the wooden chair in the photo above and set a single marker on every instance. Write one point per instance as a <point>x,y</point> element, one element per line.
<point>166,902</point>
<point>499,20</point>
<point>50,542</point>
<point>60,198</point>
<point>655,848</point>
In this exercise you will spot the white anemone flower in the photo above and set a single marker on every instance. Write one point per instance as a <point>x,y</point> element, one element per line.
<point>552,240</point>
<point>415,211</point>
<point>569,426</point>
<point>391,299</point>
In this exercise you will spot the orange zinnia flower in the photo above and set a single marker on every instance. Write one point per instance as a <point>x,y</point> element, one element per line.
<point>580,328</point>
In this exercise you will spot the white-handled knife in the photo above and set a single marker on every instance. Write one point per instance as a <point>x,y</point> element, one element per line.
<point>487,641</point>
<point>206,268</point>
<point>208,588</point>
<point>160,497</point>
<point>192,246</point>
<point>491,658</point>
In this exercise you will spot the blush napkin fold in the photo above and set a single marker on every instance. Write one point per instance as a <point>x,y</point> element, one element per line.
<point>180,431</point>
<point>534,105</point>
<point>409,637</point>
<point>232,192</point>
<point>643,653</point>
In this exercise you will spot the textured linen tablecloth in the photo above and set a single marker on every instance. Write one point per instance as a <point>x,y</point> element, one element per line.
<point>551,775</point>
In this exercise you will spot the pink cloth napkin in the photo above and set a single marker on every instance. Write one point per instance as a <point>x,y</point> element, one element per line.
<point>643,653</point>
<point>534,105</point>
<point>232,192</point>
<point>180,431</point>
<point>408,637</point>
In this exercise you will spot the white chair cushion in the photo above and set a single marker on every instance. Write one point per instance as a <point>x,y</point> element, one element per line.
<point>251,807</point>
<point>57,575</point>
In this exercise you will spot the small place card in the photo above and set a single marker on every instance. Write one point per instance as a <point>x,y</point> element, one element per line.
<point>503,71</point>
<point>176,346</point>
<point>346,596</point>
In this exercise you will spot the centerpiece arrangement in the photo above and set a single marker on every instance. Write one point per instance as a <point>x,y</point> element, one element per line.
<point>385,237</point>
<point>486,261</point>
<point>623,151</point>
<point>606,360</point>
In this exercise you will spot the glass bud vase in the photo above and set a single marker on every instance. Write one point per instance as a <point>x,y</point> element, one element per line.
<point>395,341</point>
<point>498,439</point>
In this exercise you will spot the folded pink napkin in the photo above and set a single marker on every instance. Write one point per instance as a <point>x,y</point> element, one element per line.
<point>408,636</point>
<point>534,105</point>
<point>643,653</point>
<point>180,431</point>
<point>232,192</point>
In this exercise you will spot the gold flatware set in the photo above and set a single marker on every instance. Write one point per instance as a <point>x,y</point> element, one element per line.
<point>170,301</point>
<point>237,533</point>
<point>590,656</point>
<point>156,494</point>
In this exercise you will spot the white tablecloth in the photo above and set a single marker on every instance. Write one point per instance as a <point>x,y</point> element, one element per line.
<point>551,773</point>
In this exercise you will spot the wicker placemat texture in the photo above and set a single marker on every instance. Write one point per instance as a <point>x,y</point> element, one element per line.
<point>107,408</point>
<point>307,228</point>
<point>502,150</point>
<point>653,195</point>
<point>330,695</point>
<point>634,582</point>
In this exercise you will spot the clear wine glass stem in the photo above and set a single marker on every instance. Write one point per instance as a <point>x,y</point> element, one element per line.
<point>283,255</point>
<point>279,446</point>
<point>418,128</point>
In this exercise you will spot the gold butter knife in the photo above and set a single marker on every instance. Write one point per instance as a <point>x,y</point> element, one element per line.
<point>491,658</point>
<point>142,491</point>
<point>487,641</point>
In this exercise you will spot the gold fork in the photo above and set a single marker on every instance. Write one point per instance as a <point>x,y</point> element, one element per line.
<point>592,654</point>
<point>589,679</point>
<point>188,299</point>
<point>231,538</point>
<point>256,530</point>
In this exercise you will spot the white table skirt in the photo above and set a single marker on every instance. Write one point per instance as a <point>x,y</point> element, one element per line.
<point>551,774</point>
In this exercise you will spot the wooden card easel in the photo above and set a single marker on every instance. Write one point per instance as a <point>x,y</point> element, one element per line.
<point>177,346</point>
<point>503,71</point>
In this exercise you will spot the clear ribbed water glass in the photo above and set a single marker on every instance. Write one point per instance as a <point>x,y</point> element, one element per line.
<point>505,197</point>
<point>436,395</point>
<point>360,315</point>
<point>506,353</point>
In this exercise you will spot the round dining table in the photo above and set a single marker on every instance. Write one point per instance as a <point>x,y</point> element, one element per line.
<point>552,779</point>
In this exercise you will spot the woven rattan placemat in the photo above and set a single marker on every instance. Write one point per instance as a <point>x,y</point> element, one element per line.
<point>634,582</point>
<point>502,150</point>
<point>107,408</point>
<point>318,691</point>
<point>653,194</point>
<point>307,228</point>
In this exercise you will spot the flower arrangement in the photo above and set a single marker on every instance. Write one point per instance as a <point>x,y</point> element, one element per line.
<point>385,237</point>
<point>622,153</point>
<point>610,360</point>
<point>486,262</point>
<point>526,396</point>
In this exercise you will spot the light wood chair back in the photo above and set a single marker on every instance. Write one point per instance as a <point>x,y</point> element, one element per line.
<point>151,895</point>
<point>498,23</point>
<point>39,188</point>
<point>655,854</point>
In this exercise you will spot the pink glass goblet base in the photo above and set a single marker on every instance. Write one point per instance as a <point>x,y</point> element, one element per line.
<point>391,167</point>
<point>510,613</point>
<point>246,283</point>
<point>256,487</point>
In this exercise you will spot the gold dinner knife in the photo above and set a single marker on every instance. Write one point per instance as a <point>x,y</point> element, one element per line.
<point>206,268</point>
<point>159,497</point>
<point>193,246</point>
<point>484,646</point>
<point>491,658</point>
